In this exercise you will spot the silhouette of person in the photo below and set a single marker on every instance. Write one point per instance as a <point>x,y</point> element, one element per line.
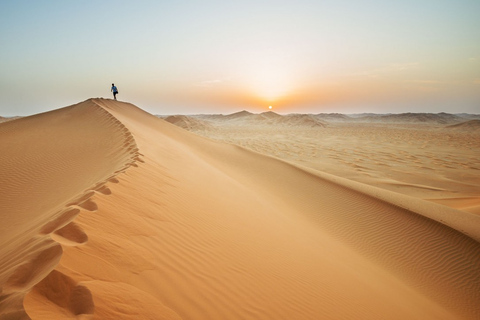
<point>115,91</point>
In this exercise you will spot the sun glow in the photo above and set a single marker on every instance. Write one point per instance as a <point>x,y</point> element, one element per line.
<point>271,87</point>
<point>268,76</point>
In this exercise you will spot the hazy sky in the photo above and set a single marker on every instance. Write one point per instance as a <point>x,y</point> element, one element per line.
<point>207,56</point>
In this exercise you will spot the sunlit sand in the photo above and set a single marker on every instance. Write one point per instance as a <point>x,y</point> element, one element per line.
<point>428,156</point>
<point>109,212</point>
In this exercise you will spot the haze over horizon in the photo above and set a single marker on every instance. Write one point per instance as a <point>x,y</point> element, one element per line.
<point>193,57</point>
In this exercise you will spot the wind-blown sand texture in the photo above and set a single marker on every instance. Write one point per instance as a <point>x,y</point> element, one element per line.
<point>430,156</point>
<point>111,213</point>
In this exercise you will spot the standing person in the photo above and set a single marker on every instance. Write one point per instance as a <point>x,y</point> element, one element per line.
<point>115,91</point>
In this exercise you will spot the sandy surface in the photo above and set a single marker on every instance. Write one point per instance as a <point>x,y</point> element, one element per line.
<point>111,213</point>
<point>432,157</point>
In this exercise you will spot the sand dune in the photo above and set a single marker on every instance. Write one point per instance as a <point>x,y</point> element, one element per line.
<point>51,165</point>
<point>240,114</point>
<point>189,123</point>
<point>245,118</point>
<point>424,160</point>
<point>434,118</point>
<point>112,213</point>
<point>333,117</point>
<point>470,204</point>
<point>471,125</point>
<point>301,120</point>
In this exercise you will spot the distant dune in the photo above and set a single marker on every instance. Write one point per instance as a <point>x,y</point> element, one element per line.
<point>438,118</point>
<point>468,116</point>
<point>333,117</point>
<point>188,123</point>
<point>109,212</point>
<point>472,125</point>
<point>323,119</point>
<point>270,115</point>
<point>247,118</point>
<point>237,115</point>
<point>301,120</point>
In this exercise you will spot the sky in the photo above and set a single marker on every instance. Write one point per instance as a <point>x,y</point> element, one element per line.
<point>216,56</point>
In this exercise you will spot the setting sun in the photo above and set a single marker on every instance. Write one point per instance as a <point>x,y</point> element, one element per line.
<point>270,107</point>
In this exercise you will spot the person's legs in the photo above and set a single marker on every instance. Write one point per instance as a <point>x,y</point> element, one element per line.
<point>115,95</point>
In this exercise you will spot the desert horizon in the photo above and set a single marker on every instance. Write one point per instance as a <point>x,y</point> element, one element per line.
<point>110,212</point>
<point>370,142</point>
<point>254,160</point>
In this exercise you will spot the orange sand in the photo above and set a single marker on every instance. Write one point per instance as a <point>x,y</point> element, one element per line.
<point>111,213</point>
<point>434,157</point>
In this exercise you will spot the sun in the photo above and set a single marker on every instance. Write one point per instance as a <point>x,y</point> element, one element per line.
<point>270,107</point>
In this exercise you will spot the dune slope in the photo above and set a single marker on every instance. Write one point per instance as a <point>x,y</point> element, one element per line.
<point>196,229</point>
<point>51,165</point>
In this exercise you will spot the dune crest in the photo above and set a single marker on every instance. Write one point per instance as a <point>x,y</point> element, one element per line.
<point>52,165</point>
<point>157,223</point>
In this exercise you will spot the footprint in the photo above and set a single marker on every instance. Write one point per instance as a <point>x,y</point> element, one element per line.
<point>66,293</point>
<point>31,272</point>
<point>89,205</point>
<point>57,288</point>
<point>113,180</point>
<point>83,198</point>
<point>81,301</point>
<point>63,219</point>
<point>70,235</point>
<point>138,159</point>
<point>104,190</point>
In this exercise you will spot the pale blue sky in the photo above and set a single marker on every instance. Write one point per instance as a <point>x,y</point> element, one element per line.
<point>217,56</point>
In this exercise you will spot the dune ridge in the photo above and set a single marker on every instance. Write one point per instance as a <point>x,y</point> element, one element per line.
<point>197,229</point>
<point>45,187</point>
<point>425,160</point>
<point>385,226</point>
<point>188,122</point>
<point>269,118</point>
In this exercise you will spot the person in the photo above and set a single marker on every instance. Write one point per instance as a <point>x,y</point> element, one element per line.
<point>115,91</point>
